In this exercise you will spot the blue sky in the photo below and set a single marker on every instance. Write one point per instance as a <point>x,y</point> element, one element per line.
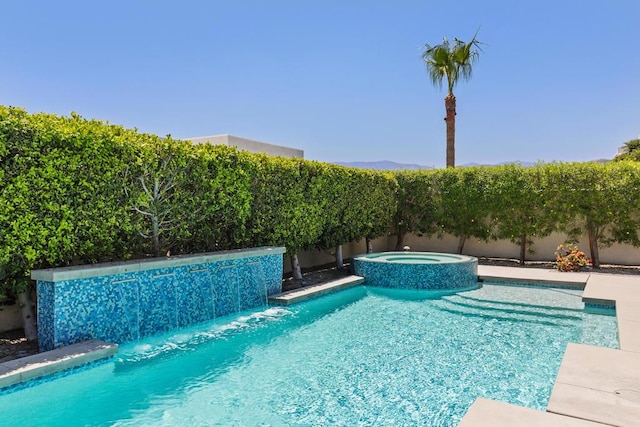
<point>342,80</point>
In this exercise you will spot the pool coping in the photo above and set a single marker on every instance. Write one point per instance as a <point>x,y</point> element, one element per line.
<point>492,413</point>
<point>303,294</point>
<point>87,271</point>
<point>38,365</point>
<point>488,273</point>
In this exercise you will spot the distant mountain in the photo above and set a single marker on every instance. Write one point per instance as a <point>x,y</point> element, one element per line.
<point>525,164</point>
<point>384,165</point>
<point>387,165</point>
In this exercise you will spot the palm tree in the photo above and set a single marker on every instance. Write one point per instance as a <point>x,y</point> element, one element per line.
<point>453,61</point>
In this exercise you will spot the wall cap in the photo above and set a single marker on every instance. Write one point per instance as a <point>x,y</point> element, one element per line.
<point>122,267</point>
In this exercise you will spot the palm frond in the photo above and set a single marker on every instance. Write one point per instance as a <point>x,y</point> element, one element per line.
<point>451,61</point>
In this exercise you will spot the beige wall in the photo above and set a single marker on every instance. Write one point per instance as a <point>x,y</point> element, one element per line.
<point>248,145</point>
<point>309,259</point>
<point>544,250</point>
<point>10,317</point>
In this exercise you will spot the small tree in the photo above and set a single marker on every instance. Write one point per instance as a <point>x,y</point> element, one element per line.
<point>465,210</point>
<point>519,211</point>
<point>162,194</point>
<point>417,206</point>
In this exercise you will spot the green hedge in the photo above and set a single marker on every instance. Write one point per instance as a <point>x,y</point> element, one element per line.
<point>601,201</point>
<point>61,197</point>
<point>76,191</point>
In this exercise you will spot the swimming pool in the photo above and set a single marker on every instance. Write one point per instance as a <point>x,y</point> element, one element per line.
<point>363,356</point>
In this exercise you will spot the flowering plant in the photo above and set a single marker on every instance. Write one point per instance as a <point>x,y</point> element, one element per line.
<point>570,258</point>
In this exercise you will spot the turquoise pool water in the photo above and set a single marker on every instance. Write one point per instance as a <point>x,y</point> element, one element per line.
<point>365,356</point>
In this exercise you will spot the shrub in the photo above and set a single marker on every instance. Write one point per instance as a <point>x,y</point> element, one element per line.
<point>570,258</point>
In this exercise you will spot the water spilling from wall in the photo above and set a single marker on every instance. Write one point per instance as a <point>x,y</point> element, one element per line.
<point>123,302</point>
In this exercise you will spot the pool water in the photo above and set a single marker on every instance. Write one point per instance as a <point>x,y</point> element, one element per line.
<point>360,357</point>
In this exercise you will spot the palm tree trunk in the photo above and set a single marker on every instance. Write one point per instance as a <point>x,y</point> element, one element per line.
<point>450,107</point>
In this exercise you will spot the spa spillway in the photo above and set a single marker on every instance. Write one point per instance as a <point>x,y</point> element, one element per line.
<point>418,270</point>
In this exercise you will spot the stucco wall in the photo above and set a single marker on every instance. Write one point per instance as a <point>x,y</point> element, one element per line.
<point>249,145</point>
<point>544,249</point>
<point>10,317</point>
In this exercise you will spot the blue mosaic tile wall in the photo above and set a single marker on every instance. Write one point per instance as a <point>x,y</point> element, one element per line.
<point>428,276</point>
<point>126,307</point>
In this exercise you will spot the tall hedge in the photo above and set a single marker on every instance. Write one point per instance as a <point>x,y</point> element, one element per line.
<point>597,200</point>
<point>61,195</point>
<point>284,208</point>
<point>78,191</point>
<point>306,204</point>
<point>601,201</point>
<point>360,204</point>
<point>419,209</point>
<point>465,209</point>
<point>521,206</point>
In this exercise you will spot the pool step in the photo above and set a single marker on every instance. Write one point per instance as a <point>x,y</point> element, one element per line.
<point>505,310</point>
<point>49,362</point>
<point>490,413</point>
<point>303,294</point>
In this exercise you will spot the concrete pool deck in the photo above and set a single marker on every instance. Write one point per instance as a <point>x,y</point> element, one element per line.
<point>49,362</point>
<point>490,413</point>
<point>302,294</point>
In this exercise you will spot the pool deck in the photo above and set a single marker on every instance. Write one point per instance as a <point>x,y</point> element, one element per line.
<point>49,362</point>
<point>298,295</point>
<point>490,413</point>
<point>490,273</point>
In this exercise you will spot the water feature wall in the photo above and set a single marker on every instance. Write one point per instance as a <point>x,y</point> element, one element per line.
<point>126,301</point>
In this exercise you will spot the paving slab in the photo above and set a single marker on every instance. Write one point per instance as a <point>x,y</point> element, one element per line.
<point>303,294</point>
<point>598,384</point>
<point>609,288</point>
<point>628,317</point>
<point>532,275</point>
<point>490,413</point>
<point>49,362</point>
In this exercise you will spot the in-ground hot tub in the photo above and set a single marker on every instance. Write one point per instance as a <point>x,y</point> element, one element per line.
<point>418,270</point>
